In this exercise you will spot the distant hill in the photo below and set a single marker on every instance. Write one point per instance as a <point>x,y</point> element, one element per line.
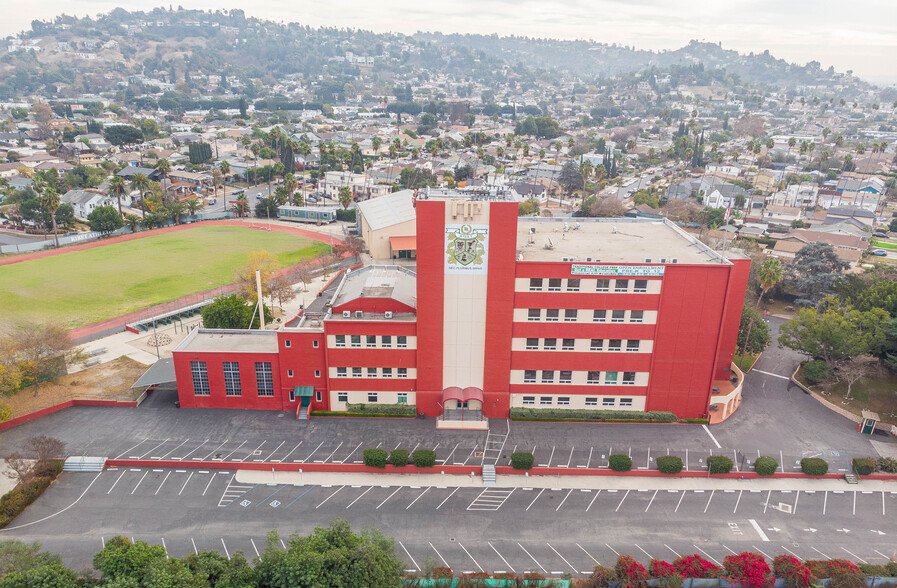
<point>72,56</point>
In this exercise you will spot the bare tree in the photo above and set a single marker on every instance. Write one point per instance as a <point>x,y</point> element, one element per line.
<point>20,468</point>
<point>41,352</point>
<point>607,206</point>
<point>281,290</point>
<point>351,246</point>
<point>305,273</point>
<point>854,370</point>
<point>45,448</point>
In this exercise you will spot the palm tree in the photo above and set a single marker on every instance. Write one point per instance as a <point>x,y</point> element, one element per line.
<point>345,196</point>
<point>224,167</point>
<point>290,184</point>
<point>50,201</point>
<point>376,142</point>
<point>769,274</point>
<point>163,167</point>
<point>585,169</point>
<point>142,183</point>
<point>193,205</point>
<point>132,220</point>
<point>118,188</point>
<point>175,211</point>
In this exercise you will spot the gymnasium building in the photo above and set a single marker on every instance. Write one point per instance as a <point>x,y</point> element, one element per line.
<point>497,312</point>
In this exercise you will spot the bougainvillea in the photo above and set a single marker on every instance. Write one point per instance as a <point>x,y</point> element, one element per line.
<point>602,576</point>
<point>845,574</point>
<point>748,569</point>
<point>661,569</point>
<point>792,571</point>
<point>478,576</point>
<point>442,573</point>
<point>695,566</point>
<point>631,573</point>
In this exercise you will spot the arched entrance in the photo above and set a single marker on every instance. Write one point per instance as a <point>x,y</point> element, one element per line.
<point>462,404</point>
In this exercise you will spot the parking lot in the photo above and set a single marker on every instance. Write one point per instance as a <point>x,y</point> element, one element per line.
<point>552,531</point>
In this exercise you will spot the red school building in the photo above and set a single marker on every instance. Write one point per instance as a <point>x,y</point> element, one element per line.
<point>500,312</point>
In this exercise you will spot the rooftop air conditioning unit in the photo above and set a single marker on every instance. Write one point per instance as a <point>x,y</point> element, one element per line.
<point>347,314</point>
<point>388,314</point>
<point>647,260</point>
<point>675,260</point>
<point>588,259</point>
<point>359,314</point>
<point>663,260</point>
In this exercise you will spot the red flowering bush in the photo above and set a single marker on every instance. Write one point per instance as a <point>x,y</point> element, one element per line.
<point>661,569</point>
<point>818,569</point>
<point>631,573</point>
<point>695,566</point>
<point>533,577</point>
<point>505,576</point>
<point>478,576</point>
<point>602,576</point>
<point>748,569</point>
<point>442,573</point>
<point>792,571</point>
<point>845,574</point>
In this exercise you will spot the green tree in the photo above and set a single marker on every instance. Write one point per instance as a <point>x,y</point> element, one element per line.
<point>753,333</point>
<point>835,333</point>
<point>569,177</point>
<point>120,135</point>
<point>227,312</point>
<point>645,197</point>
<point>267,207</point>
<point>769,274</point>
<point>118,188</point>
<point>813,272</point>
<point>120,559</point>
<point>140,182</point>
<point>104,219</point>
<point>345,196</point>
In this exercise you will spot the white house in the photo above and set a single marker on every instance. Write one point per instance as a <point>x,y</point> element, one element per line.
<point>84,201</point>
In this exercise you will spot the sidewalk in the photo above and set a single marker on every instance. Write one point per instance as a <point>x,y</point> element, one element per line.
<point>562,482</point>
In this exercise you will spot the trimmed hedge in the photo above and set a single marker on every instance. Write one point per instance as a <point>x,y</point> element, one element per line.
<point>424,458</point>
<point>390,409</point>
<point>620,462</point>
<point>358,415</point>
<point>863,466</point>
<point>765,466</point>
<point>347,215</point>
<point>522,460</point>
<point>719,464</point>
<point>669,464</point>
<point>16,500</point>
<point>398,457</point>
<point>814,466</point>
<point>375,458</point>
<point>583,415</point>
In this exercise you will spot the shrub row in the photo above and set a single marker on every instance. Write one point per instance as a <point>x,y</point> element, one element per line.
<point>16,500</point>
<point>390,409</point>
<point>619,462</point>
<point>343,413</point>
<point>814,466</point>
<point>522,460</point>
<point>766,466</point>
<point>377,458</point>
<point>557,414</point>
<point>719,464</point>
<point>669,464</point>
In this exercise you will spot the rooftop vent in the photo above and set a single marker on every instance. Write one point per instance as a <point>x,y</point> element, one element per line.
<point>359,314</point>
<point>347,314</point>
<point>388,314</point>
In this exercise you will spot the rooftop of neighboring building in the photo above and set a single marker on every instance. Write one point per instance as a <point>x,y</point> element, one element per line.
<point>229,341</point>
<point>617,240</point>
<point>378,281</point>
<point>388,210</point>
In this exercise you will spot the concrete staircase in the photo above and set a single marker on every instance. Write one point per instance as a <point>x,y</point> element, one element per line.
<point>303,413</point>
<point>488,475</point>
<point>80,463</point>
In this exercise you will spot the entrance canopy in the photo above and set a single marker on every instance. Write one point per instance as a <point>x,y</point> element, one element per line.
<point>300,391</point>
<point>456,393</point>
<point>161,372</point>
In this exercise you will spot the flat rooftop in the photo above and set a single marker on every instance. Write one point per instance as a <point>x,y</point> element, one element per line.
<point>616,240</point>
<point>378,281</point>
<point>229,341</point>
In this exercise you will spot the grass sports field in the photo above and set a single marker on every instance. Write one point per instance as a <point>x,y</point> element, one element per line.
<point>85,287</point>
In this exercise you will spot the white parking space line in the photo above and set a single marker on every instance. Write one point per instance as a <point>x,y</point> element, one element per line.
<point>575,571</point>
<point>223,544</point>
<point>766,503</point>
<point>332,453</point>
<point>225,458</point>
<point>126,452</point>
<point>726,547</point>
<point>440,555</point>
<point>737,502</point>
<point>712,438</point>
<point>652,500</point>
<point>418,497</point>
<point>352,453</point>
<point>153,449</point>
<point>284,458</point>
<point>593,500</point>
<point>532,558</point>
<point>252,453</point>
<point>796,498</point>
<point>138,483</point>
<point>882,554</point>
<point>312,453</point>
<point>824,503</point>
<point>820,553</point>
<point>643,551</point>
<point>165,479</point>
<point>882,503</point>
<point>621,502</point>
<point>359,497</point>
<point>678,504</point>
<point>712,492</point>
<point>185,483</point>
<point>673,550</point>
<point>569,459</point>
<point>757,528</point>
<point>589,462</point>
<point>211,453</point>
<point>612,549</point>
<point>416,567</point>
<point>447,497</point>
<point>173,450</point>
<point>564,500</point>
<point>194,450</point>
<point>854,503</point>
<point>586,552</point>
<point>791,552</point>
<point>761,552</point>
<point>445,461</point>
<point>195,550</point>
<point>116,481</point>
<point>856,557</point>
<point>710,557</point>
<point>472,452</point>
<point>535,499</point>
<point>476,563</point>
<point>770,374</point>
<point>388,497</point>
<point>211,479</point>
<point>254,547</point>
<point>510,567</point>
<point>275,451</point>
<point>550,457</point>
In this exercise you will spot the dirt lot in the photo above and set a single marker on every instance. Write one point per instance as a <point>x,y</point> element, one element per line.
<point>105,381</point>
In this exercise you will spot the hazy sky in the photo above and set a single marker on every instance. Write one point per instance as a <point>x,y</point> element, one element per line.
<point>860,35</point>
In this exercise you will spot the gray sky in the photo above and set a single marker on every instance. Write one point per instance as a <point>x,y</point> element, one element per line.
<point>860,35</point>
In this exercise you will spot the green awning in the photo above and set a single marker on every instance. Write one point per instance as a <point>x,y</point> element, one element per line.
<point>304,391</point>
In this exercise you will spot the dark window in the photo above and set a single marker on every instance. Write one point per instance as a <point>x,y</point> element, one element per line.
<point>550,344</point>
<point>402,372</point>
<point>372,372</point>
<point>554,284</point>
<point>626,402</point>
<point>614,344</point>
<point>641,286</point>
<point>547,376</point>
<point>372,397</point>
<point>314,343</point>
<point>566,377</point>
<point>591,401</point>
<point>532,343</point>
<point>621,286</point>
<point>356,372</point>
<point>599,316</point>
<point>568,344</point>
<point>632,345</point>
<point>529,376</point>
<point>545,400</point>
<point>287,343</point>
<point>636,316</point>
<point>340,340</point>
<point>617,316</point>
<point>552,314</point>
<point>535,284</point>
<point>371,341</point>
<point>608,402</point>
<point>386,340</point>
<point>342,397</point>
<point>534,314</point>
<point>401,341</point>
<point>529,400</point>
<point>602,285</point>
<point>341,372</point>
<point>573,285</point>
<point>629,378</point>
<point>593,378</point>
<point>200,378</point>
<point>563,400</point>
<point>570,315</point>
<point>231,378</point>
<point>596,345</point>
<point>356,340</point>
<point>263,378</point>
<point>387,372</point>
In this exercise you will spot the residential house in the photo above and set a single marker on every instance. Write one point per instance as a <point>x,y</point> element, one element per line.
<point>725,196</point>
<point>84,201</point>
<point>796,195</point>
<point>856,213</point>
<point>782,215</point>
<point>387,225</point>
<point>529,191</point>
<point>362,185</point>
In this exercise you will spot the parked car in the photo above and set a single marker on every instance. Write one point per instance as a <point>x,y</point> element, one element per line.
<point>880,253</point>
<point>882,235</point>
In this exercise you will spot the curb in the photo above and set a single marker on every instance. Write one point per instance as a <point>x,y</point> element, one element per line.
<point>68,404</point>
